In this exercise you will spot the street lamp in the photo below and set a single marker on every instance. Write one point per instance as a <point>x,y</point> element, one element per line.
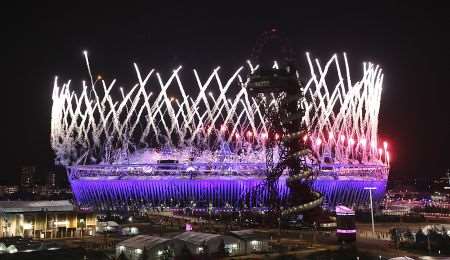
<point>279,222</point>
<point>82,224</point>
<point>371,206</point>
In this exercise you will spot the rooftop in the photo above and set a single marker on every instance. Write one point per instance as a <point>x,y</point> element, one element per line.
<point>35,206</point>
<point>142,241</point>
<point>249,234</point>
<point>196,238</point>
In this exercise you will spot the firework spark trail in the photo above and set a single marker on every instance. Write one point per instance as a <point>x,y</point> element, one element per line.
<point>342,116</point>
<point>350,110</point>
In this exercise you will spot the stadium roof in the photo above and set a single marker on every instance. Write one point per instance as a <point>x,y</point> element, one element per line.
<point>142,241</point>
<point>35,206</point>
<point>196,238</point>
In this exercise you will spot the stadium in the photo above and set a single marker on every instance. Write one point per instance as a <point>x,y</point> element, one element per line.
<point>202,142</point>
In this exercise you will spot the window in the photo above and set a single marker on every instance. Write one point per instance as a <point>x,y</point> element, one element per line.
<point>231,248</point>
<point>256,245</point>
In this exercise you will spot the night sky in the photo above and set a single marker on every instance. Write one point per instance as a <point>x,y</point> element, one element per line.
<point>409,41</point>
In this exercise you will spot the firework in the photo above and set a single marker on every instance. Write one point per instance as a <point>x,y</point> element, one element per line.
<point>342,116</point>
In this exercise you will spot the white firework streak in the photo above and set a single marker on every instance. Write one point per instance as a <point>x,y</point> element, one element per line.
<point>342,117</point>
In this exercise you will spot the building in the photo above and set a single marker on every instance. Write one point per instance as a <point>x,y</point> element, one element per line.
<point>27,176</point>
<point>155,247</point>
<point>198,243</point>
<point>346,226</point>
<point>107,227</point>
<point>12,245</point>
<point>8,190</point>
<point>129,231</point>
<point>51,180</point>
<point>44,219</point>
<point>251,241</point>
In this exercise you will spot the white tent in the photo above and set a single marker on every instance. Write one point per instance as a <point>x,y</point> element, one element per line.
<point>11,249</point>
<point>2,247</point>
<point>437,227</point>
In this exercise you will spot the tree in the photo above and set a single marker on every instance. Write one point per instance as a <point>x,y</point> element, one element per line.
<point>446,242</point>
<point>421,239</point>
<point>436,239</point>
<point>222,252</point>
<point>122,256</point>
<point>409,235</point>
<point>185,253</point>
<point>167,253</point>
<point>145,255</point>
<point>395,237</point>
<point>205,251</point>
<point>407,239</point>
